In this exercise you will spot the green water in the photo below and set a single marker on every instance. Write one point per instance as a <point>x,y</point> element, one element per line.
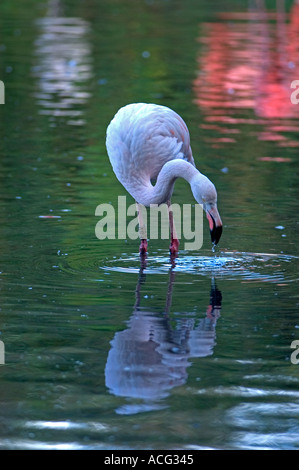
<point>101,350</point>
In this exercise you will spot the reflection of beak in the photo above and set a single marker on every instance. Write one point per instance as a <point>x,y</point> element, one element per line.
<point>215,224</point>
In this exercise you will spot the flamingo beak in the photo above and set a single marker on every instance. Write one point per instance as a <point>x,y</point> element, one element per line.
<point>215,224</point>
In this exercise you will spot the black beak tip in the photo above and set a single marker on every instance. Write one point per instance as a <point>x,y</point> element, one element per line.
<point>216,234</point>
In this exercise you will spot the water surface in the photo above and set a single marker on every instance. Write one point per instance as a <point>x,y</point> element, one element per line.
<point>104,350</point>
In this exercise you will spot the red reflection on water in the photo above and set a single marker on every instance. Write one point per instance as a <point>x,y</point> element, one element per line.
<point>250,65</point>
<point>275,159</point>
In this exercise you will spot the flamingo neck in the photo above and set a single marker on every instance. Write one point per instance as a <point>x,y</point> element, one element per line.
<point>163,188</point>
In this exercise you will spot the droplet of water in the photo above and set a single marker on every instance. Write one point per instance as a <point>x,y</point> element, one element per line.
<point>224,170</point>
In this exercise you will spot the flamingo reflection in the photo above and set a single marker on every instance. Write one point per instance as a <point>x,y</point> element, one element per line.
<point>151,356</point>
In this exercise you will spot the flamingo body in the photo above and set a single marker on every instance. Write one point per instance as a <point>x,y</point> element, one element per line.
<point>147,142</point>
<point>143,137</point>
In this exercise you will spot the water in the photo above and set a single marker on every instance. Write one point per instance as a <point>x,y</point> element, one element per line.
<point>102,349</point>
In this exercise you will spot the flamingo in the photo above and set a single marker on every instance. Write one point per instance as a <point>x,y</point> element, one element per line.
<point>150,142</point>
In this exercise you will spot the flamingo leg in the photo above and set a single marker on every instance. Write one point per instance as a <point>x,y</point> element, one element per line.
<point>142,230</point>
<point>174,242</point>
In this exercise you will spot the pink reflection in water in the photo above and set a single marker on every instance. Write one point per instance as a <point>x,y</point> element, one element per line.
<point>275,159</point>
<point>249,65</point>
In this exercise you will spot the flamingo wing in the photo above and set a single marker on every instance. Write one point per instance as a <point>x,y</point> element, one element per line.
<point>141,138</point>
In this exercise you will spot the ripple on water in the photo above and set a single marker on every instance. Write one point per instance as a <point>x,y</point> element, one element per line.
<point>262,267</point>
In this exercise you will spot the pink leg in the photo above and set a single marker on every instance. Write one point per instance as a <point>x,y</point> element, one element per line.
<point>142,230</point>
<point>143,246</point>
<point>174,242</point>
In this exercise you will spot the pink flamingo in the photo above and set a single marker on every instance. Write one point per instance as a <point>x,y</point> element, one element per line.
<point>147,142</point>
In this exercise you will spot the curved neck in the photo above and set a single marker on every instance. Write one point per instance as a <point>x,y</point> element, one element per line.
<point>163,188</point>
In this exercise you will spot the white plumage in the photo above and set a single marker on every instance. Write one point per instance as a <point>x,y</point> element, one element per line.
<point>143,137</point>
<point>147,142</point>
